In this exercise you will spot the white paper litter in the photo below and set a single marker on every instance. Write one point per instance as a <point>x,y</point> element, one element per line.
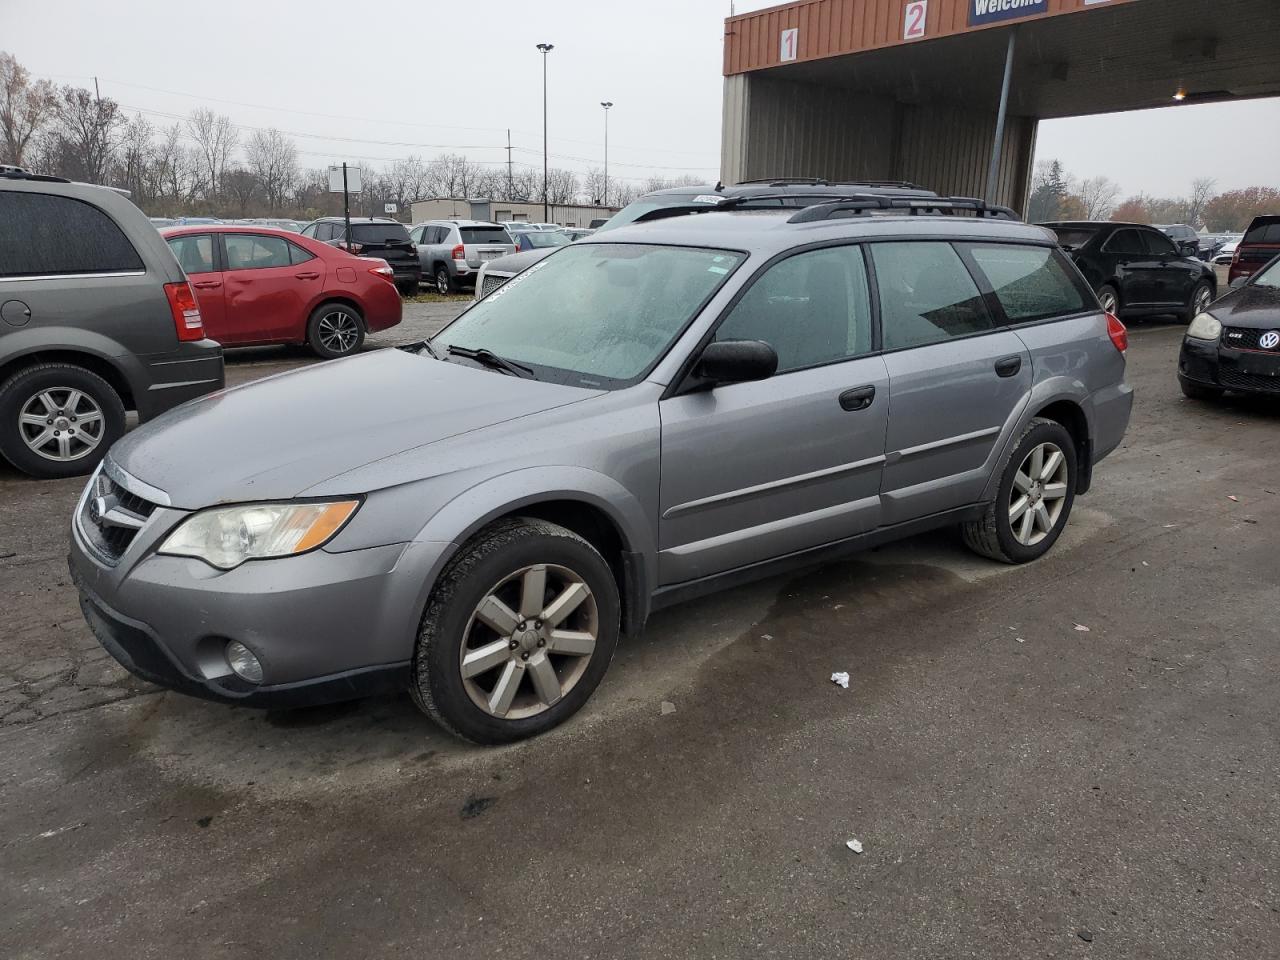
<point>1082,628</point>
<point>766,636</point>
<point>667,707</point>
<point>1233,499</point>
<point>1020,640</point>
<point>841,678</point>
<point>854,845</point>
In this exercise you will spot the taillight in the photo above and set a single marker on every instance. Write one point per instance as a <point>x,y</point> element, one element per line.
<point>385,272</point>
<point>186,311</point>
<point>354,247</point>
<point>1118,334</point>
<point>459,252</point>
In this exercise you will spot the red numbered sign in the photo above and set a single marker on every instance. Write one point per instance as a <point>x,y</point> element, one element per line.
<point>790,41</point>
<point>913,24</point>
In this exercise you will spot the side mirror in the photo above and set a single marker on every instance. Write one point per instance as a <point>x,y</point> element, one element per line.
<point>736,361</point>
<point>1239,282</point>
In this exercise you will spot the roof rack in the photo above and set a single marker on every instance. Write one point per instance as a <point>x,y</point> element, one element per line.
<point>914,206</point>
<point>822,182</point>
<point>783,181</point>
<point>18,173</point>
<point>726,203</point>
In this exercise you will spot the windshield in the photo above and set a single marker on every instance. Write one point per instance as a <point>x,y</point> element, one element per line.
<point>379,233</point>
<point>532,239</point>
<point>1073,238</point>
<point>593,314</point>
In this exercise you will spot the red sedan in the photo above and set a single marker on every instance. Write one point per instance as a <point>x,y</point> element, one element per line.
<point>256,285</point>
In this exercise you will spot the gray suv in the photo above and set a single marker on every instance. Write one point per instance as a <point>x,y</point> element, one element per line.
<point>453,251</point>
<point>649,414</point>
<point>96,317</point>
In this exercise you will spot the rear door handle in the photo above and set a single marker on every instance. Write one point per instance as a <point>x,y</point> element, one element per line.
<point>859,398</point>
<point>207,284</point>
<point>306,276</point>
<point>1008,367</point>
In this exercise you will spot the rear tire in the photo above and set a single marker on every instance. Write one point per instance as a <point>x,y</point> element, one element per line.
<point>517,639</point>
<point>1109,297</point>
<point>1003,533</point>
<point>1194,391</point>
<point>444,281</point>
<point>407,288</point>
<point>335,330</point>
<point>84,410</point>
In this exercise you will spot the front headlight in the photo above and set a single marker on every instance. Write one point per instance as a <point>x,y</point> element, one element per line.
<point>1205,327</point>
<point>226,537</point>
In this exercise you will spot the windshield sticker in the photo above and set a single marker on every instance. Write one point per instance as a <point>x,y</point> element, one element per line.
<point>706,198</point>
<point>721,270</point>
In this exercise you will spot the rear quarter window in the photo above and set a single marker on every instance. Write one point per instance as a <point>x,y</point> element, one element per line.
<point>44,234</point>
<point>1031,283</point>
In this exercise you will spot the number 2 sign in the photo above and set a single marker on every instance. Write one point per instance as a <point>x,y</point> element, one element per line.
<point>790,40</point>
<point>913,22</point>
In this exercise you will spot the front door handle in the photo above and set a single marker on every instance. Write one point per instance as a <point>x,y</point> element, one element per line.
<point>1008,367</point>
<point>306,276</point>
<point>859,398</point>
<point>207,284</point>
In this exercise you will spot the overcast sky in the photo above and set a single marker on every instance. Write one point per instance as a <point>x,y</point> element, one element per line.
<point>378,82</point>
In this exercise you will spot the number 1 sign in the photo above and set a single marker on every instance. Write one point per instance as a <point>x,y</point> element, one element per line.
<point>790,41</point>
<point>913,22</point>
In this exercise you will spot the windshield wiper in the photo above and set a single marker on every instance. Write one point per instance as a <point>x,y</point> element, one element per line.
<point>492,360</point>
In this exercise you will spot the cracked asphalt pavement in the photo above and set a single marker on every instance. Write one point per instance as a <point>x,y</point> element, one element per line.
<point>1021,787</point>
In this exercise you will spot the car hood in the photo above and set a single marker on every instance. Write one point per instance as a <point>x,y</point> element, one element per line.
<point>1252,306</point>
<point>513,263</point>
<point>276,438</point>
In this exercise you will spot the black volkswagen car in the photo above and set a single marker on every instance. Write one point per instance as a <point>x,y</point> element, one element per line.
<point>1235,344</point>
<point>1136,270</point>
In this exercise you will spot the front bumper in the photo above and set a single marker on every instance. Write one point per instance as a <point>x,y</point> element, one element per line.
<point>191,371</point>
<point>1210,364</point>
<point>325,626</point>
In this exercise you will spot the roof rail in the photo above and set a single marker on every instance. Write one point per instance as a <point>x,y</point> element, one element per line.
<point>783,181</point>
<point>726,203</point>
<point>913,206</point>
<point>18,173</point>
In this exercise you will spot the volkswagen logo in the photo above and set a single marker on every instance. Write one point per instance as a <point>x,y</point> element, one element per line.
<point>1269,340</point>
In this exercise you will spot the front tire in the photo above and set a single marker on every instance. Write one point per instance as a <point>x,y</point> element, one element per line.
<point>335,330</point>
<point>58,419</point>
<point>1200,298</point>
<point>1034,500</point>
<point>518,633</point>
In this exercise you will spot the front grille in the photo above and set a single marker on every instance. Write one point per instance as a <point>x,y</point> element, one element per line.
<point>491,283</point>
<point>111,517</point>
<point>1244,338</point>
<point>1235,380</point>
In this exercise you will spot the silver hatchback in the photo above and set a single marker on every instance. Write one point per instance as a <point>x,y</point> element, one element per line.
<point>644,416</point>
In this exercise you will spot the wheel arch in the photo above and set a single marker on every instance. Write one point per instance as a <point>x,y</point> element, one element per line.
<point>1071,415</point>
<point>93,362</point>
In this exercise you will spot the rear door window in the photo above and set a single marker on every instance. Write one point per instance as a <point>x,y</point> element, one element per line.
<point>194,252</point>
<point>1126,243</point>
<point>42,234</point>
<point>926,294</point>
<point>1158,244</point>
<point>1031,283</point>
<point>250,251</point>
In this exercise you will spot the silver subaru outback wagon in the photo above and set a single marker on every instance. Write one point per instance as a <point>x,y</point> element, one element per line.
<point>671,408</point>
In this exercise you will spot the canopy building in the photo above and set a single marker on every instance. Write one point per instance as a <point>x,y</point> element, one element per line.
<point>934,91</point>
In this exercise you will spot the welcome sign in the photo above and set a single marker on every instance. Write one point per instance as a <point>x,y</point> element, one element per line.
<point>992,11</point>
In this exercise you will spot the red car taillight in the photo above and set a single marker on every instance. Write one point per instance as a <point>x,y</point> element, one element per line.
<point>1119,335</point>
<point>385,272</point>
<point>459,252</point>
<point>186,311</point>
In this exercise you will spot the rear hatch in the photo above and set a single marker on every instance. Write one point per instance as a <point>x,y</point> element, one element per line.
<point>1261,243</point>
<point>481,244</point>
<point>387,241</point>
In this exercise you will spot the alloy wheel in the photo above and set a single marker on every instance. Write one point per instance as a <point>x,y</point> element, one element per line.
<point>1108,301</point>
<point>1039,494</point>
<point>529,641</point>
<point>61,424</point>
<point>442,283</point>
<point>339,331</point>
<point>1202,300</point>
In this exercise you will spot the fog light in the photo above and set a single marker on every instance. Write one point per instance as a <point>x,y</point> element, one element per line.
<point>243,663</point>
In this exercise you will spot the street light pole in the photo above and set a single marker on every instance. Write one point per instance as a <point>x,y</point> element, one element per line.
<point>606,104</point>
<point>546,213</point>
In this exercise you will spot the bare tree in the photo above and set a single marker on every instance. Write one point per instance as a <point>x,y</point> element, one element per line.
<point>405,181</point>
<point>452,175</point>
<point>88,133</point>
<point>1099,195</point>
<point>242,186</point>
<point>25,107</point>
<point>273,159</point>
<point>216,138</point>
<point>562,185</point>
<point>1202,191</point>
<point>593,185</point>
